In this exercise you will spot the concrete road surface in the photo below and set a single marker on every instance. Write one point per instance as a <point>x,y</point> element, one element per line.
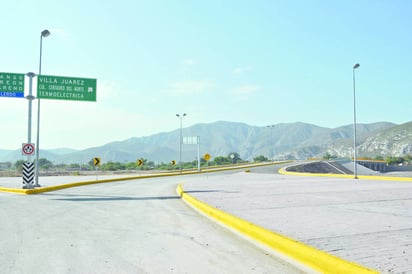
<point>138,226</point>
<point>365,221</point>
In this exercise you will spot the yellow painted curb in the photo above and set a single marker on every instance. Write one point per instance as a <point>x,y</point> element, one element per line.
<point>84,183</point>
<point>306,255</point>
<point>176,173</point>
<point>13,190</point>
<point>349,176</point>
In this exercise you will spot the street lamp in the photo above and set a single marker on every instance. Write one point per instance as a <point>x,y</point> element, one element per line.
<point>181,138</point>
<point>271,140</point>
<point>44,33</point>
<point>355,170</point>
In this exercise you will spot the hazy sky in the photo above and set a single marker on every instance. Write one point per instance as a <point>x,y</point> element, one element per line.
<point>257,62</point>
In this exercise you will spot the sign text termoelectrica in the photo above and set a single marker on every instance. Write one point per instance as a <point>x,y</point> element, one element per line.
<point>66,88</point>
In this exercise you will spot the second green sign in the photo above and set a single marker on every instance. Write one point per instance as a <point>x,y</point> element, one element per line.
<point>66,88</point>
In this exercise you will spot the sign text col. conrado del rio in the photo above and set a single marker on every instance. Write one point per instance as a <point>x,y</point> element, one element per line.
<point>66,88</point>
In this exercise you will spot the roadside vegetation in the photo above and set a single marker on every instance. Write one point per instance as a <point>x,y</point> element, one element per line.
<point>390,160</point>
<point>9,169</point>
<point>47,167</point>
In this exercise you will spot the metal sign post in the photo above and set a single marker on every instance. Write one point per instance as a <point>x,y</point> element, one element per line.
<point>96,163</point>
<point>48,87</point>
<point>140,163</point>
<point>194,140</point>
<point>207,158</point>
<point>30,97</point>
<point>232,156</point>
<point>198,153</point>
<point>28,149</point>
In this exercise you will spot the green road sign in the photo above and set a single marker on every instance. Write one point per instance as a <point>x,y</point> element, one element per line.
<point>11,84</point>
<point>66,88</point>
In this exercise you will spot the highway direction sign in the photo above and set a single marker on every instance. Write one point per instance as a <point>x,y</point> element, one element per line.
<point>191,140</point>
<point>66,88</point>
<point>11,84</point>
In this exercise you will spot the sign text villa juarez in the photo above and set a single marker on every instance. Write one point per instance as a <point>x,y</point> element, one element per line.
<point>66,88</point>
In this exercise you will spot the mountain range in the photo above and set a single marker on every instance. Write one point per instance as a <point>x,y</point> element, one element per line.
<point>280,141</point>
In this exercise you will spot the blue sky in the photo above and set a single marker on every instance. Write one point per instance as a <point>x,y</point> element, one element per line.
<point>257,62</point>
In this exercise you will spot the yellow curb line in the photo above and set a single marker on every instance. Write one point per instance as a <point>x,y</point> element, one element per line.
<point>307,255</point>
<point>13,190</point>
<point>176,173</point>
<point>349,176</point>
<point>84,183</point>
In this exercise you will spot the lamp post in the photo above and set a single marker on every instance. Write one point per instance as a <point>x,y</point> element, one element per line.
<point>271,140</point>
<point>181,139</point>
<point>44,33</point>
<point>355,170</point>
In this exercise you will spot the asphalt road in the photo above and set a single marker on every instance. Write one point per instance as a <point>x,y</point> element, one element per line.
<point>138,226</point>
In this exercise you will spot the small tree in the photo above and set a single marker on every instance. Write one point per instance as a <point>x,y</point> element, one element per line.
<point>260,158</point>
<point>91,163</point>
<point>19,165</point>
<point>234,157</point>
<point>45,164</point>
<point>221,160</point>
<point>113,166</point>
<point>327,156</point>
<point>6,165</point>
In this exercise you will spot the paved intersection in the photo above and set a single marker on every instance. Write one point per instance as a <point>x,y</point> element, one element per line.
<point>365,221</point>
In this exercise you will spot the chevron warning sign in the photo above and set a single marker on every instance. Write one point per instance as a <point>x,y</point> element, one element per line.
<point>96,161</point>
<point>28,173</point>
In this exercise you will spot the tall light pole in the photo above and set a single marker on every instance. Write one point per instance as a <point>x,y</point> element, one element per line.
<point>271,140</point>
<point>355,170</point>
<point>181,138</point>
<point>44,33</point>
